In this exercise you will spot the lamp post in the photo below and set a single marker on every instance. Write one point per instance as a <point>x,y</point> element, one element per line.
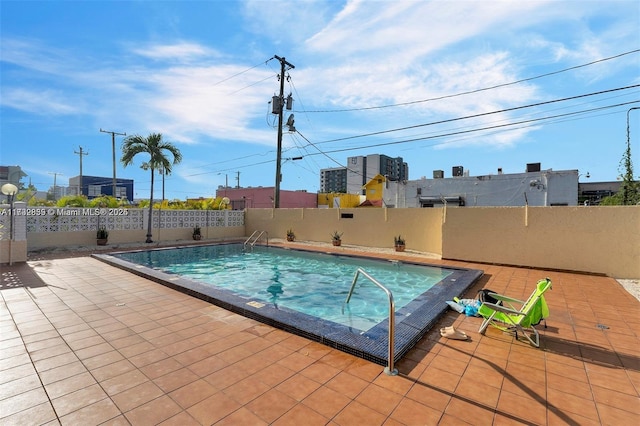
<point>10,190</point>
<point>224,203</point>
<point>586,201</point>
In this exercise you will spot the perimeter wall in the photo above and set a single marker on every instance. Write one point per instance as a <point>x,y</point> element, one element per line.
<point>602,240</point>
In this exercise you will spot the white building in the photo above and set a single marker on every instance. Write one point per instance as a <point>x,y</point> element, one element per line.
<point>360,170</point>
<point>535,188</point>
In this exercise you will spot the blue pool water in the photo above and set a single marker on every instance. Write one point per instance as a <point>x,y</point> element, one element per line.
<point>315,284</point>
<point>304,292</point>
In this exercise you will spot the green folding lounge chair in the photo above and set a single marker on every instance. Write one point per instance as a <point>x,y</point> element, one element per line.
<point>511,314</point>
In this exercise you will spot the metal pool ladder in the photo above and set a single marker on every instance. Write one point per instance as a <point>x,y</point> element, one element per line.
<point>389,369</point>
<point>255,236</point>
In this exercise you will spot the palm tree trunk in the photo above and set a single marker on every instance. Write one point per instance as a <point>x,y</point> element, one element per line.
<point>149,235</point>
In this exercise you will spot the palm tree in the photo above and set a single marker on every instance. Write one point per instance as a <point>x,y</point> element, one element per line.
<point>155,147</point>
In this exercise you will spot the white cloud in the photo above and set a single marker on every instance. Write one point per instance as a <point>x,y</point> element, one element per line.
<point>287,22</point>
<point>407,30</point>
<point>182,51</point>
<point>367,53</point>
<point>46,102</point>
<point>359,88</point>
<point>187,102</point>
<point>396,52</point>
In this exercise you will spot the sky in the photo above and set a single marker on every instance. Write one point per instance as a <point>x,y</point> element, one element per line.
<point>478,84</point>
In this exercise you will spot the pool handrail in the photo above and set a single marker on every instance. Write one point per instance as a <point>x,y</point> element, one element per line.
<point>255,240</point>
<point>389,369</point>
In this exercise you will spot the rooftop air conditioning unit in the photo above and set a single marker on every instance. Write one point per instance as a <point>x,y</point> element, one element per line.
<point>438,174</point>
<point>533,167</point>
<point>457,171</point>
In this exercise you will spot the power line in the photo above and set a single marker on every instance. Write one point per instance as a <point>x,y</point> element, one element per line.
<point>481,128</point>
<point>511,126</point>
<point>560,108</point>
<point>439,135</point>
<point>520,124</point>
<point>410,127</point>
<point>252,84</point>
<point>319,150</point>
<point>481,114</point>
<point>527,125</point>
<point>325,153</point>
<point>469,92</point>
<point>242,72</point>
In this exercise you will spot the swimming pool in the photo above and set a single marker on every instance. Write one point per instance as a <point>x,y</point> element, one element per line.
<point>304,292</point>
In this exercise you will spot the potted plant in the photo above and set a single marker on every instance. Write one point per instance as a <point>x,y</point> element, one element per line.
<point>336,238</point>
<point>290,235</point>
<point>399,243</point>
<point>102,235</point>
<point>197,233</point>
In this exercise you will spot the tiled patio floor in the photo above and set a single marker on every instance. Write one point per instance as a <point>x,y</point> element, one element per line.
<point>83,343</point>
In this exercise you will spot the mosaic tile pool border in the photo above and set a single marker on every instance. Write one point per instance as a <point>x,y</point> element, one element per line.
<point>412,321</point>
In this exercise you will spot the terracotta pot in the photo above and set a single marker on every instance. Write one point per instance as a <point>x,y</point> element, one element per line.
<point>337,242</point>
<point>102,241</point>
<point>400,247</point>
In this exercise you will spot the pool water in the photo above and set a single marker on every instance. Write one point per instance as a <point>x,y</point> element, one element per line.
<point>315,284</point>
<point>304,292</point>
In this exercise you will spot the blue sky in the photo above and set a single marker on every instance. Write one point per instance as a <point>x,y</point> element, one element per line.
<point>370,77</point>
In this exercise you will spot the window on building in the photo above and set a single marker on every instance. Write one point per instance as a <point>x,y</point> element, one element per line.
<point>121,192</point>
<point>95,190</point>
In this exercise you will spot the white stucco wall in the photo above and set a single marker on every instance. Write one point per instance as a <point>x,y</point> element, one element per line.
<point>543,188</point>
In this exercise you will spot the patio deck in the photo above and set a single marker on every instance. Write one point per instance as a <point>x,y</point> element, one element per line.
<point>85,343</point>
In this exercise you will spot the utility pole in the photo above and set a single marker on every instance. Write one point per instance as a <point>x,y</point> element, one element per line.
<point>627,178</point>
<point>277,109</point>
<point>113,147</point>
<point>80,181</point>
<point>237,179</point>
<point>162,172</point>
<point>55,175</point>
